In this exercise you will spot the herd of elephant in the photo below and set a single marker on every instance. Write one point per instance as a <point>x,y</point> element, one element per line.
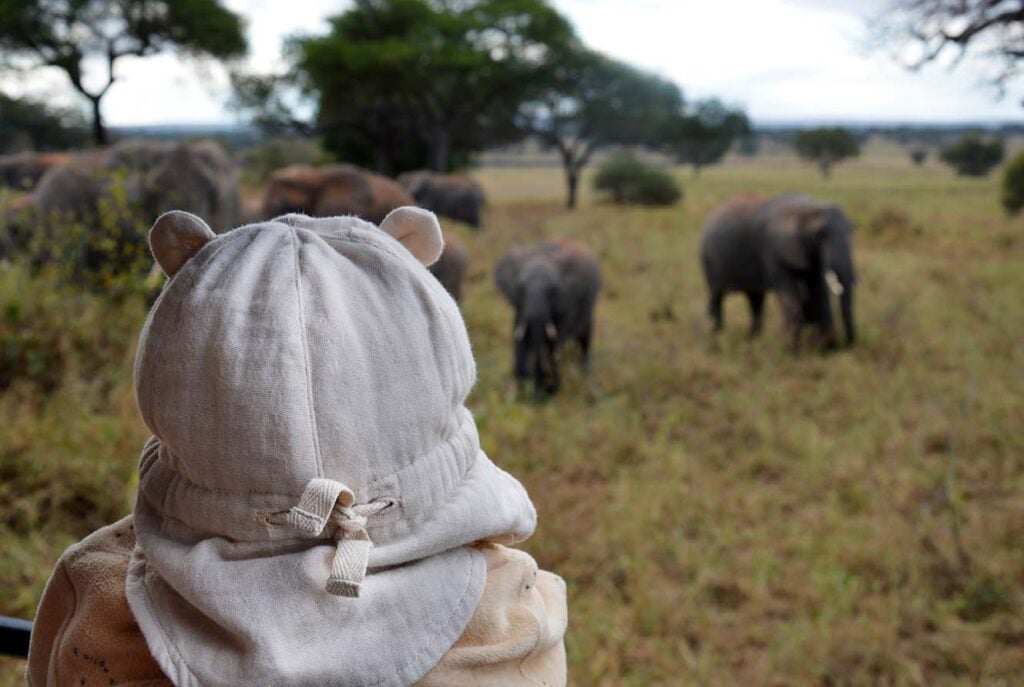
<point>793,245</point>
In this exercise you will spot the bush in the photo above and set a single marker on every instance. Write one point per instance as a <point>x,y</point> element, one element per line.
<point>1013,185</point>
<point>918,156</point>
<point>633,182</point>
<point>972,156</point>
<point>50,329</point>
<point>101,247</point>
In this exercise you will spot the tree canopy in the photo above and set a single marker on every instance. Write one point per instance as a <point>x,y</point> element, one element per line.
<point>826,146</point>
<point>705,133</point>
<point>973,156</point>
<point>923,31</point>
<point>402,84</point>
<point>67,34</point>
<point>592,101</point>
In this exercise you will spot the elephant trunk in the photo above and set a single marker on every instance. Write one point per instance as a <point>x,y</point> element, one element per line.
<point>842,280</point>
<point>846,308</point>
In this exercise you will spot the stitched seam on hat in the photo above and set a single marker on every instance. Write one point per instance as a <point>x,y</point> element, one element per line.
<point>456,434</point>
<point>160,347</point>
<point>305,355</point>
<point>164,475</point>
<point>447,621</point>
<point>387,250</point>
<point>167,643</point>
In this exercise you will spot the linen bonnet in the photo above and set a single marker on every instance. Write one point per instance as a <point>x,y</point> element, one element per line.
<point>313,480</point>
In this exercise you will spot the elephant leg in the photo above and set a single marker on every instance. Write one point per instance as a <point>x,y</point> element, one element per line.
<point>715,309</point>
<point>792,313</point>
<point>584,340</point>
<point>756,300</point>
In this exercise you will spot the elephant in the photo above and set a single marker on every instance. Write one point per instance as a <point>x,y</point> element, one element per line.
<point>134,155</point>
<point>455,196</point>
<point>339,189</point>
<point>450,268</point>
<point>553,287</point>
<point>792,244</point>
<point>132,178</point>
<point>198,177</point>
<point>71,191</point>
<point>155,176</point>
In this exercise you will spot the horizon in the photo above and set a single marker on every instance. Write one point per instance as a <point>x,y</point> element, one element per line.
<point>812,64</point>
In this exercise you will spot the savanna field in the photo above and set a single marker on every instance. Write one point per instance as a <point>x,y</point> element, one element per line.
<point>724,512</point>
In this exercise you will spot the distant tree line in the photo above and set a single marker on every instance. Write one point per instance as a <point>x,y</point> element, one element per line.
<point>408,84</point>
<point>27,124</point>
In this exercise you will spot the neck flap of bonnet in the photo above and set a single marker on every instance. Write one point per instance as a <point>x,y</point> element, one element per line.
<point>313,480</point>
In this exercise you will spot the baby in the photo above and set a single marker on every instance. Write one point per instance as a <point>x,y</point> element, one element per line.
<point>314,507</point>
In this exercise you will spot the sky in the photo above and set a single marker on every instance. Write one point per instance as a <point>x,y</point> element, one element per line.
<point>781,60</point>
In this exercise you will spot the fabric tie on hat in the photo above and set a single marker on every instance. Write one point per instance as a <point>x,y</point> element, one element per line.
<point>324,502</point>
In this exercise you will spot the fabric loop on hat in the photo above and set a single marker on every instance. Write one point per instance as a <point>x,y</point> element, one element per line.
<point>323,502</point>
<point>317,504</point>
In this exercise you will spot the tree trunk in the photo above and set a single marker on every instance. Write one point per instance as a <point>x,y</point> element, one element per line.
<point>440,145</point>
<point>572,182</point>
<point>99,130</point>
<point>382,159</point>
<point>826,168</point>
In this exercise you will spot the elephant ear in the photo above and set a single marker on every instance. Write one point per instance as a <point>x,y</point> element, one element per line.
<point>418,230</point>
<point>506,274</point>
<point>175,237</point>
<point>794,233</point>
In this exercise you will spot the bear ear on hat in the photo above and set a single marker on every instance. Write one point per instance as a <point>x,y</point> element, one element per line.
<point>418,230</point>
<point>175,237</point>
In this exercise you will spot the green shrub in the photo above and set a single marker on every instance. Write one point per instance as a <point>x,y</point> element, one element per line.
<point>102,248</point>
<point>631,181</point>
<point>972,156</point>
<point>50,329</point>
<point>1013,185</point>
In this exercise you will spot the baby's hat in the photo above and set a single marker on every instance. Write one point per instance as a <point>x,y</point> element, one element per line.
<point>313,478</point>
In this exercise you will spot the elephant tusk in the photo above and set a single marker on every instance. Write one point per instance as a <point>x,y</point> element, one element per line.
<point>551,331</point>
<point>834,285</point>
<point>519,332</point>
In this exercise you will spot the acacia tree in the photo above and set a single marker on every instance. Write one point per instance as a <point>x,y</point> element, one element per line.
<point>826,146</point>
<point>922,31</point>
<point>404,83</point>
<point>705,133</point>
<point>67,34</point>
<point>972,156</point>
<point>591,101</point>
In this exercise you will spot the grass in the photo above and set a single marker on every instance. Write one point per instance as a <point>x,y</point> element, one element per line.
<point>723,512</point>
